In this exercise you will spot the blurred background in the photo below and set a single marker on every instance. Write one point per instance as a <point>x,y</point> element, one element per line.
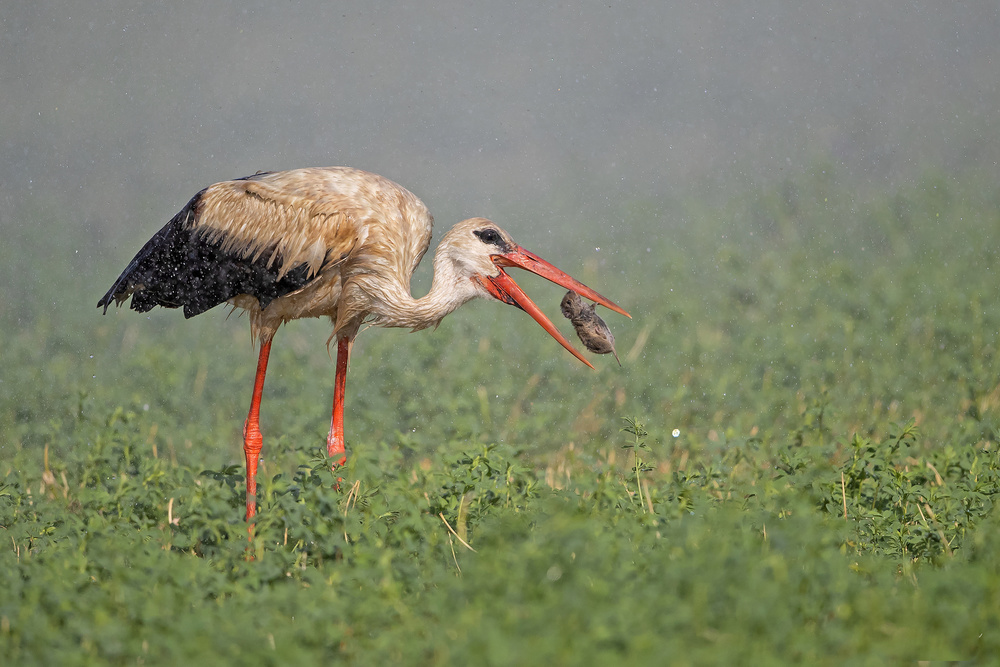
<point>798,202</point>
<point>548,116</point>
<point>590,131</point>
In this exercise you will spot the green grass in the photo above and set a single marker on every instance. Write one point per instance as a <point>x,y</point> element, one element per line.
<point>797,462</point>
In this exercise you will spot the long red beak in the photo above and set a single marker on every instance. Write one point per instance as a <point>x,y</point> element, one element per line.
<point>503,288</point>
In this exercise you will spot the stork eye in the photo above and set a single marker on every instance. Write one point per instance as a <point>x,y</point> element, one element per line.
<point>489,235</point>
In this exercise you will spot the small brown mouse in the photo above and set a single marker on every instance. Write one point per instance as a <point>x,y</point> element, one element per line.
<point>593,332</point>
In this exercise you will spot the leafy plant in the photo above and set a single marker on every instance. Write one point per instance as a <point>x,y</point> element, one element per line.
<point>828,384</point>
<point>638,433</point>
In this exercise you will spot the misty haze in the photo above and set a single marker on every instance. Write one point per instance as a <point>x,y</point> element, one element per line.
<point>795,462</point>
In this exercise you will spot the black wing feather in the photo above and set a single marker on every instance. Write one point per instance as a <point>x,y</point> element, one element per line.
<point>177,268</point>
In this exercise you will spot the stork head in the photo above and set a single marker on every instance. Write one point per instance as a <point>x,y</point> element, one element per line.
<point>479,251</point>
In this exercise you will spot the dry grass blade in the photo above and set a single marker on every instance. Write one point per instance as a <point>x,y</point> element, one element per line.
<point>649,501</point>
<point>640,343</point>
<point>454,556</point>
<point>937,526</point>
<point>452,531</point>
<point>351,500</point>
<point>937,475</point>
<point>843,493</point>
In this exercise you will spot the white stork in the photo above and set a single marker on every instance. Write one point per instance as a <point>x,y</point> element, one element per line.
<point>323,242</point>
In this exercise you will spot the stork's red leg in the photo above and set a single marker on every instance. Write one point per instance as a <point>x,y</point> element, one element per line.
<point>335,441</point>
<point>252,438</point>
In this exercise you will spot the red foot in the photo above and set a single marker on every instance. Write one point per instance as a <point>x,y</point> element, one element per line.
<point>335,449</point>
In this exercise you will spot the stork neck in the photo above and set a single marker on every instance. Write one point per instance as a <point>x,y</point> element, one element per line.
<point>448,291</point>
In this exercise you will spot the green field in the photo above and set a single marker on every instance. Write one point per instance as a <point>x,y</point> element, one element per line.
<point>812,370</point>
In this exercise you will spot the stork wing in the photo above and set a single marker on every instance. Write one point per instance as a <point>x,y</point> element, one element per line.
<point>287,219</point>
<point>266,235</point>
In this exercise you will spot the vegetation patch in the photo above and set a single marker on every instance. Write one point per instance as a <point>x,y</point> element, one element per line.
<point>796,462</point>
